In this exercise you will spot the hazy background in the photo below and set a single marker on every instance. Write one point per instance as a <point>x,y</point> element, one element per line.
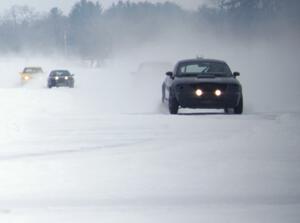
<point>108,150</point>
<point>66,5</point>
<point>259,38</point>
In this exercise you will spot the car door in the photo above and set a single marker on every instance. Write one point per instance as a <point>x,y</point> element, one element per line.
<point>168,84</point>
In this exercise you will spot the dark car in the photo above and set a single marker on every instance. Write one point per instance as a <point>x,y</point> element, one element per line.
<point>203,83</point>
<point>59,78</point>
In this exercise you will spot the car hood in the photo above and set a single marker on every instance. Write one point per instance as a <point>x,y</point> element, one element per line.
<point>196,80</point>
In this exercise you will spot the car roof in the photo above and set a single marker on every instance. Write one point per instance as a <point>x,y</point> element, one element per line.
<point>200,60</point>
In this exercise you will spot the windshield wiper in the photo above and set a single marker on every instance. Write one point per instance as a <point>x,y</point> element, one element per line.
<point>212,75</point>
<point>205,75</point>
<point>221,75</point>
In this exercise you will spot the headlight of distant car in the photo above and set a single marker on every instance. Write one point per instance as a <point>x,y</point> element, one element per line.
<point>218,92</point>
<point>199,92</point>
<point>26,78</point>
<point>66,78</point>
<point>56,78</point>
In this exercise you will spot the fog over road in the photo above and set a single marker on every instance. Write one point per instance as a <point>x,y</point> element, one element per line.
<point>108,151</point>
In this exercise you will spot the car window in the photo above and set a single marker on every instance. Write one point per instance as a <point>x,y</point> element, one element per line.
<point>192,68</point>
<point>203,68</point>
<point>33,70</point>
<point>60,73</point>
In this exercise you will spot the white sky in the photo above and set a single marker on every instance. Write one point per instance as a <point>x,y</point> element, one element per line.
<point>65,5</point>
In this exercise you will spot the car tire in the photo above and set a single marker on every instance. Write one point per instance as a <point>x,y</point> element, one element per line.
<point>173,105</point>
<point>239,108</point>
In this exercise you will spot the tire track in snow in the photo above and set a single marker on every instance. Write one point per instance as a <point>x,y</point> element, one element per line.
<point>69,151</point>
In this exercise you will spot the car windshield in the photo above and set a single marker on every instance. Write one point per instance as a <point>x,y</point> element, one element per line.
<point>32,70</point>
<point>60,73</point>
<point>203,68</point>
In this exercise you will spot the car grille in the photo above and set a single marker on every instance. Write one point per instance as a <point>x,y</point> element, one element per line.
<point>61,80</point>
<point>205,87</point>
<point>208,87</point>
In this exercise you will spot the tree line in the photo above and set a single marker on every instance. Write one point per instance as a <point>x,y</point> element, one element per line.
<point>91,32</point>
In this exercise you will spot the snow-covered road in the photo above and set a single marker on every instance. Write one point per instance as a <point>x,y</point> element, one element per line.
<point>103,153</point>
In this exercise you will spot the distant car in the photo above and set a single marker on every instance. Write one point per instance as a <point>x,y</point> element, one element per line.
<point>30,72</point>
<point>60,78</point>
<point>202,83</point>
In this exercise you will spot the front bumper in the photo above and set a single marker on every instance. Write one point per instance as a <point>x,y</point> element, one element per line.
<point>227,100</point>
<point>187,98</point>
<point>60,83</point>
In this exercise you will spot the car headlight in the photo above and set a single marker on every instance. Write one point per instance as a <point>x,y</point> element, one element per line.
<point>218,92</point>
<point>56,78</point>
<point>199,92</point>
<point>26,78</point>
<point>66,78</point>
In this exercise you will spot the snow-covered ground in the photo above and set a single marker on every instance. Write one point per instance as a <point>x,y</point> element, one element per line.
<point>108,151</point>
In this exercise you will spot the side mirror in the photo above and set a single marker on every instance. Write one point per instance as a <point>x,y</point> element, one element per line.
<point>236,74</point>
<point>170,74</point>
